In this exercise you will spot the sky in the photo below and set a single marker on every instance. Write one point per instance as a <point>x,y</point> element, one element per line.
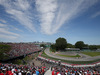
<point>47,20</point>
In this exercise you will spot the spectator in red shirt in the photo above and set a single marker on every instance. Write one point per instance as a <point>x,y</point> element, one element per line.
<point>1,73</point>
<point>53,72</point>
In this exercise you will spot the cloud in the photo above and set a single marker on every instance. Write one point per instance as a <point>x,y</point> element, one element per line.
<point>17,29</point>
<point>47,9</point>
<point>51,14</point>
<point>54,13</point>
<point>96,14</point>
<point>20,11</point>
<point>2,25</point>
<point>3,21</point>
<point>6,33</point>
<point>7,37</point>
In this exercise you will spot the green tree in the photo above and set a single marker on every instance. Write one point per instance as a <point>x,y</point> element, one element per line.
<point>61,43</point>
<point>70,45</point>
<point>53,46</point>
<point>4,49</point>
<point>86,45</point>
<point>79,44</point>
<point>98,46</point>
<point>43,45</point>
<point>93,47</point>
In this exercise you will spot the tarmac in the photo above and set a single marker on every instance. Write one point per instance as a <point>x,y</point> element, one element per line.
<point>82,58</point>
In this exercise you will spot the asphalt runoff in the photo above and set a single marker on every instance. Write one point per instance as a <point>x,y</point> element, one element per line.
<point>82,58</point>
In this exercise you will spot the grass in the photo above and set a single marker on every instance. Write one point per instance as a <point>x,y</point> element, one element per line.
<point>17,61</point>
<point>26,59</point>
<point>92,54</point>
<point>69,55</point>
<point>52,50</point>
<point>67,61</point>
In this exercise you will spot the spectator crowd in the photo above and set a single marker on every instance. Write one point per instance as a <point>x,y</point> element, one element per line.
<point>19,49</point>
<point>58,69</point>
<point>12,69</point>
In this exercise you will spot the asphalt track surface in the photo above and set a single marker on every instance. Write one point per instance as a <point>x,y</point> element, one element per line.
<point>82,58</point>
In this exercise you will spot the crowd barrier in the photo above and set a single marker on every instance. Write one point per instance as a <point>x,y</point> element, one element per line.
<point>70,65</point>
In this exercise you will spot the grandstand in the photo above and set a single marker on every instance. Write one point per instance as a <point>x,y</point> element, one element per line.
<point>22,49</point>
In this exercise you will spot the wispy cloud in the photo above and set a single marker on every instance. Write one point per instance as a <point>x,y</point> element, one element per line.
<point>96,14</point>
<point>2,25</point>
<point>54,13</point>
<point>7,37</point>
<point>47,9</point>
<point>3,21</point>
<point>6,33</point>
<point>20,11</point>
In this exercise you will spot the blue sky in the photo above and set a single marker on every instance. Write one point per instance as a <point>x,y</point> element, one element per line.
<point>47,20</point>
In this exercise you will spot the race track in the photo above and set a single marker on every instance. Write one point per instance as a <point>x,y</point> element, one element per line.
<point>82,58</point>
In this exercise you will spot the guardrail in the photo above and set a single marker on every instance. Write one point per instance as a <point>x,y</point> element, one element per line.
<point>69,65</point>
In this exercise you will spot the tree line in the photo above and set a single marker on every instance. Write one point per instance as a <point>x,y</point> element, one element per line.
<point>61,44</point>
<point>4,49</point>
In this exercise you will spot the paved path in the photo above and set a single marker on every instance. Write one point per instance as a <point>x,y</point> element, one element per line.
<point>82,58</point>
<point>49,72</point>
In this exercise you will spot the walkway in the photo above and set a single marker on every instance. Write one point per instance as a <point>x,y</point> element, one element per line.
<point>49,72</point>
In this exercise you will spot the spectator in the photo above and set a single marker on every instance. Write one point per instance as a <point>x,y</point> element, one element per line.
<point>1,73</point>
<point>37,72</point>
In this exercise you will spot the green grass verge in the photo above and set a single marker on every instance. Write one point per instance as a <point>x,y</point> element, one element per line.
<point>68,55</point>
<point>70,62</point>
<point>17,61</point>
<point>26,58</point>
<point>92,54</point>
<point>52,50</point>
